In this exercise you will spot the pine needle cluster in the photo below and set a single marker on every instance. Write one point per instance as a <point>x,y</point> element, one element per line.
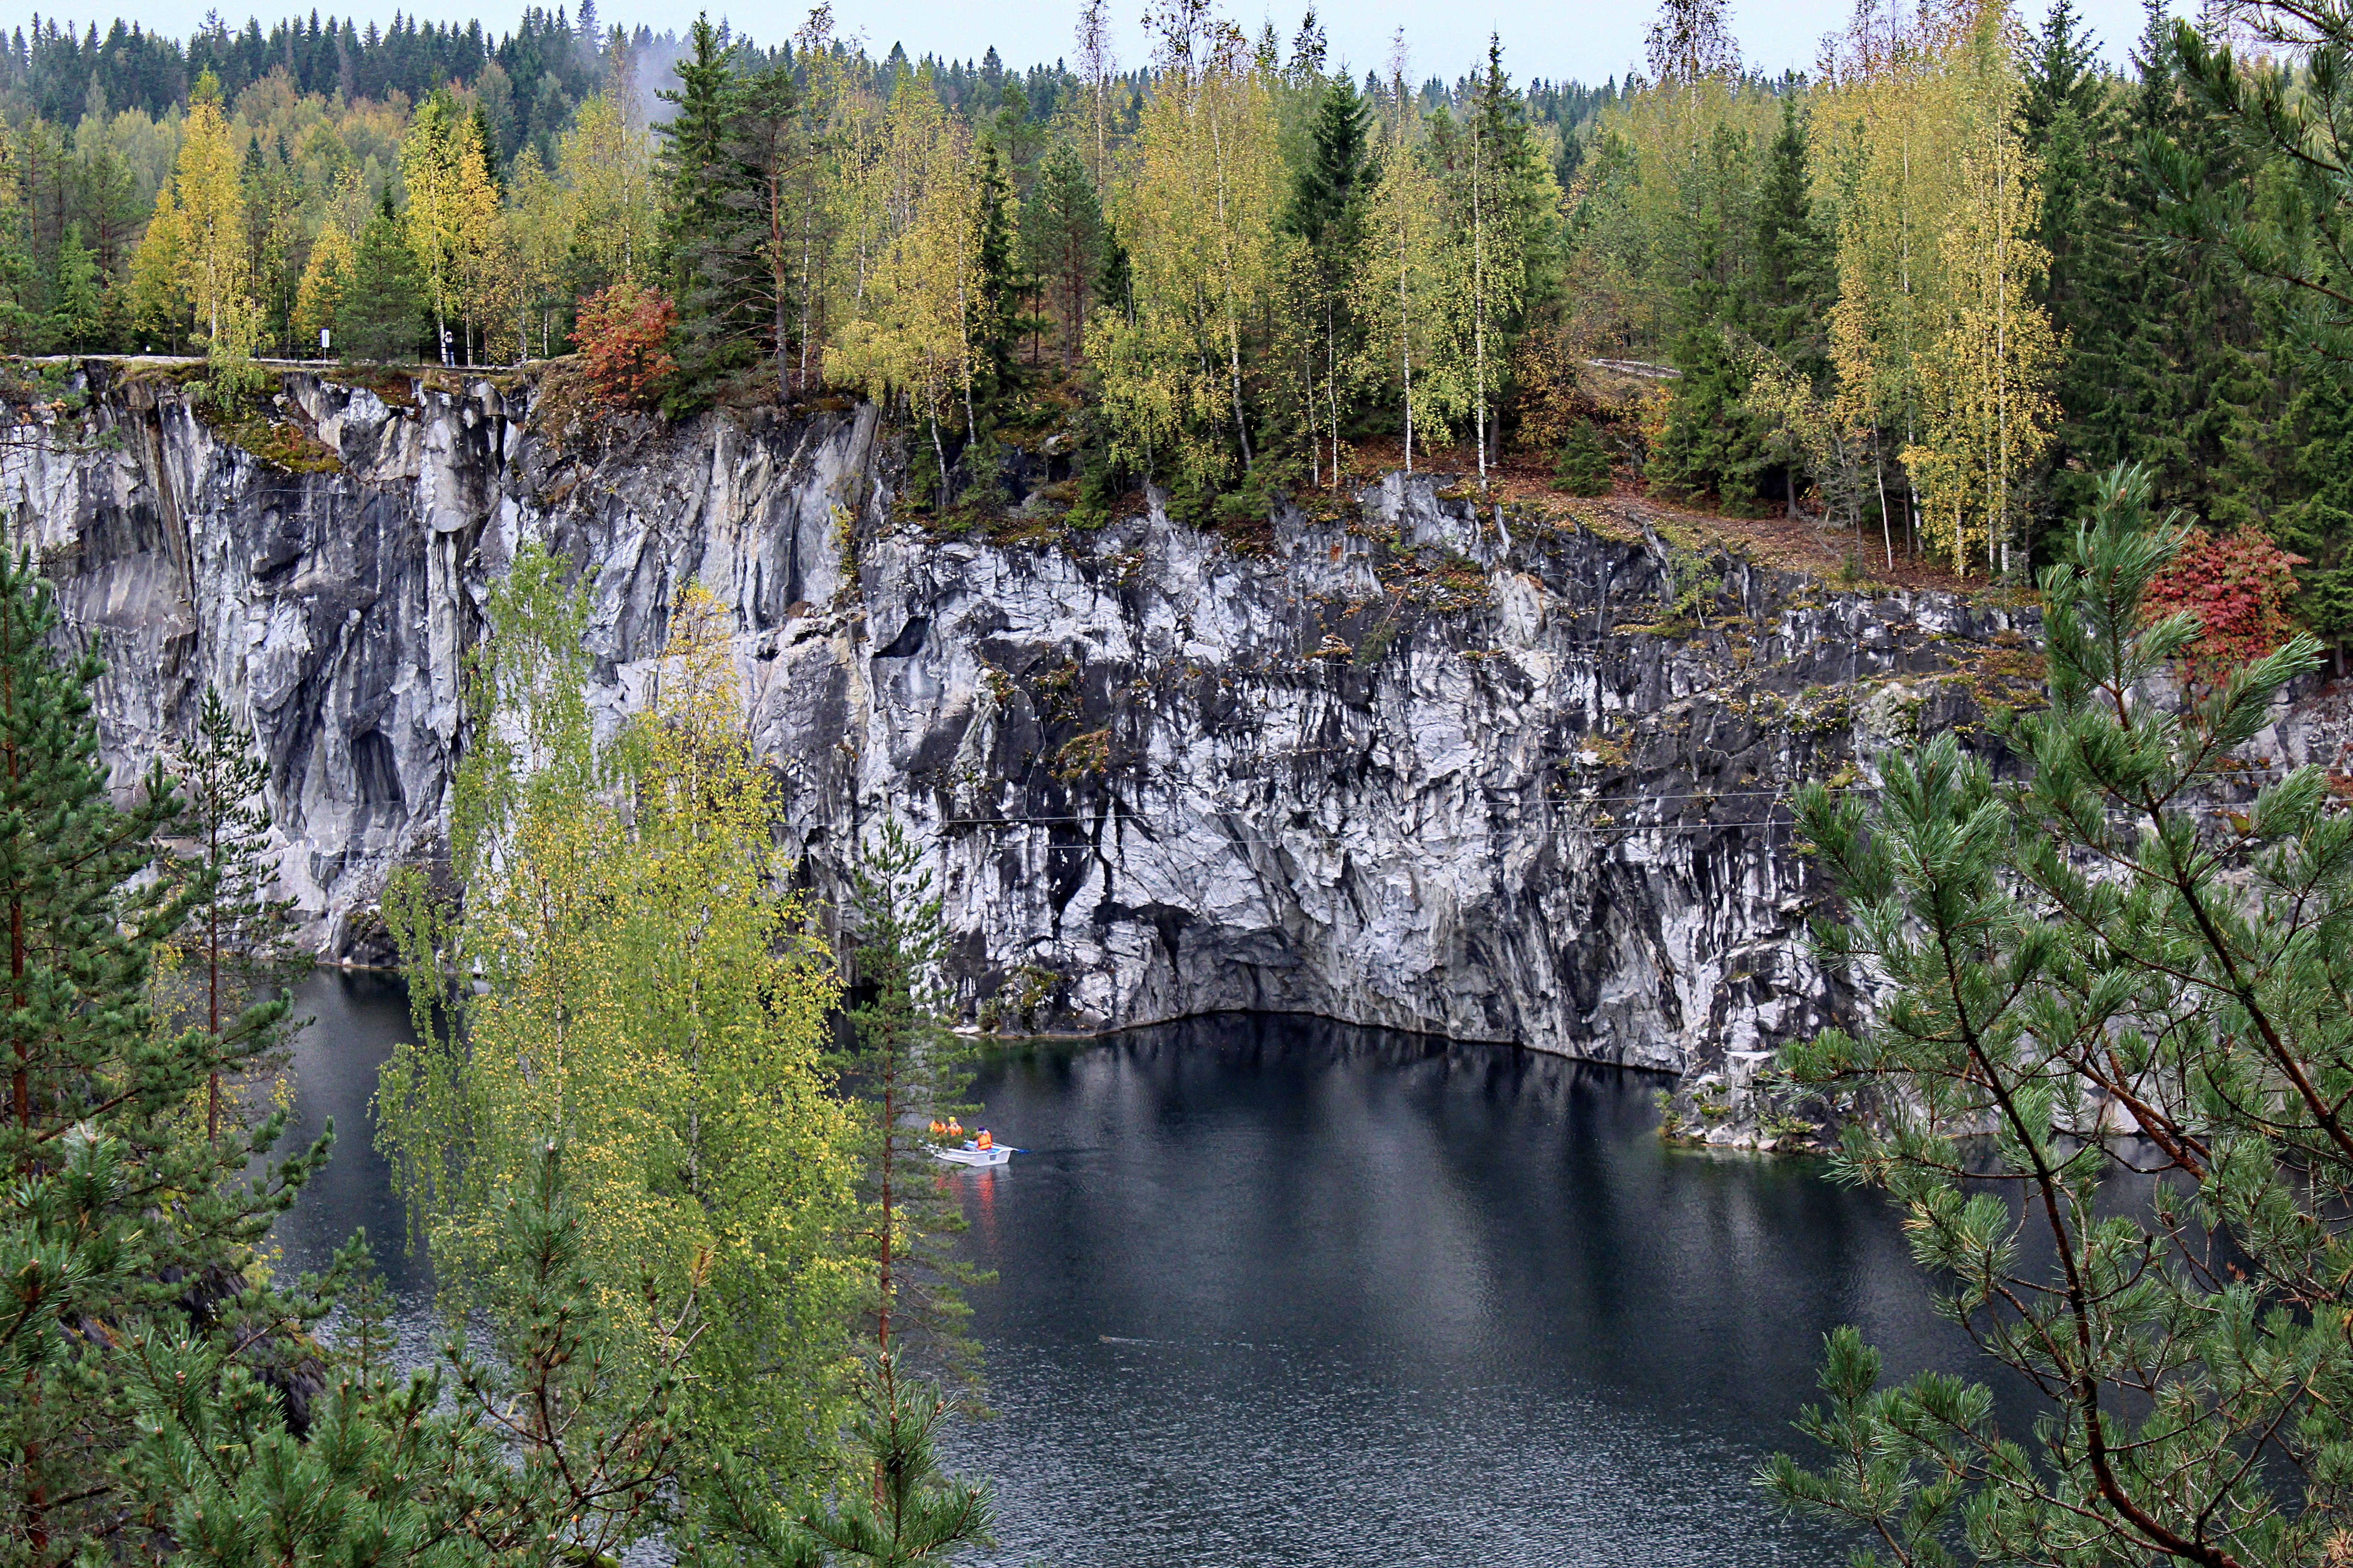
<point>2107,1084</point>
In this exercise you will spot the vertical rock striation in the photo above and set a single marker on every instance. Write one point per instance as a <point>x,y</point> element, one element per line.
<point>1401,760</point>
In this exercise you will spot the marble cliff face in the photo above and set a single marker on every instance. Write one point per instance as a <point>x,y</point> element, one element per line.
<point>1401,762</point>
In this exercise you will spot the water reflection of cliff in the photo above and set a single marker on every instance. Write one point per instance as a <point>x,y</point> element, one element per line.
<point>1311,1280</point>
<point>1272,1289</point>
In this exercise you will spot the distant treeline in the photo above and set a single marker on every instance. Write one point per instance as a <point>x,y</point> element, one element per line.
<point>58,73</point>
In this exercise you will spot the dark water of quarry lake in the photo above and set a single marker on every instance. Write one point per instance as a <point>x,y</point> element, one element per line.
<point>1274,1290</point>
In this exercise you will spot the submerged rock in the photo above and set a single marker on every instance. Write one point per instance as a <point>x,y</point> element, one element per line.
<point>1402,760</point>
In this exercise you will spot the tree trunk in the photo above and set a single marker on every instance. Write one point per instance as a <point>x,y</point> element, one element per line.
<point>212,972</point>
<point>941,453</point>
<point>1479,307</point>
<point>1308,421</point>
<point>1234,368</point>
<point>1886,523</point>
<point>22,1084</point>
<point>783,352</point>
<point>1332,384</point>
<point>890,1128</point>
<point>36,1496</point>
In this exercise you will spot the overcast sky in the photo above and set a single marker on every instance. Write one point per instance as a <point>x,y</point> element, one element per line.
<point>1585,40</point>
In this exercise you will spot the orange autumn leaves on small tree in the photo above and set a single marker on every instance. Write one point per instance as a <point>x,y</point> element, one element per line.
<point>624,336</point>
<point>2238,584</point>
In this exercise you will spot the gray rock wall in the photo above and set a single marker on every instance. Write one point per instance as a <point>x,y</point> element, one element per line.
<point>1402,762</point>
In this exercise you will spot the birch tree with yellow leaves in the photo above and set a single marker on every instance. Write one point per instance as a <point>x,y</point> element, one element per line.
<point>540,237</point>
<point>329,272</point>
<point>193,263</point>
<point>454,223</point>
<point>907,333</point>
<point>320,295</point>
<point>605,163</point>
<point>1406,292</point>
<point>1944,358</point>
<point>432,222</point>
<point>856,196</point>
<point>1987,411</point>
<point>647,999</point>
<point>1884,124</point>
<point>1196,214</point>
<point>489,273</point>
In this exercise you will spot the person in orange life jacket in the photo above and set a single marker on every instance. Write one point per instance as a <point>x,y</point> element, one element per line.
<point>939,1128</point>
<point>986,1142</point>
<point>954,1130</point>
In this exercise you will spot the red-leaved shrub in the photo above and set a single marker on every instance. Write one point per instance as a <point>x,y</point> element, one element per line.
<point>2238,584</point>
<point>624,335</point>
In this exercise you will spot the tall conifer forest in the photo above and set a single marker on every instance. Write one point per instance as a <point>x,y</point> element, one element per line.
<point>1969,301</point>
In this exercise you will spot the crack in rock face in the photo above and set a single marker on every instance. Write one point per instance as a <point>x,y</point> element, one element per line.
<point>1400,761</point>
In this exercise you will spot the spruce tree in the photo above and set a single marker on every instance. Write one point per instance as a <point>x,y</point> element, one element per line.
<point>382,314</point>
<point>1583,467</point>
<point>905,1069</point>
<point>1116,278</point>
<point>237,939</point>
<point>694,138</point>
<point>773,160</point>
<point>120,1218</point>
<point>2318,524</point>
<point>700,227</point>
<point>2280,229</point>
<point>19,285</point>
<point>994,321</point>
<point>1796,279</point>
<point>1019,137</point>
<point>734,158</point>
<point>1709,445</point>
<point>1327,191</point>
<point>2196,398</point>
<point>1063,223</point>
<point>1518,212</point>
<point>2070,125</point>
<point>81,302</point>
<point>1792,289</point>
<point>1328,197</point>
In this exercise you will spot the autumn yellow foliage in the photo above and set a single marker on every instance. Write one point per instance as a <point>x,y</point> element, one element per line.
<point>637,986</point>
<point>1937,335</point>
<point>1198,211</point>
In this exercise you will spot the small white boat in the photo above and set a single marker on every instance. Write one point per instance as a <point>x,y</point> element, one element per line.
<point>973,1153</point>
